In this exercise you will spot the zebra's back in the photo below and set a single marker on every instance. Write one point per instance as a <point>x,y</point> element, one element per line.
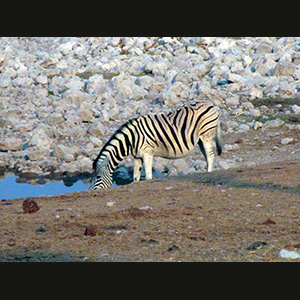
<point>175,134</point>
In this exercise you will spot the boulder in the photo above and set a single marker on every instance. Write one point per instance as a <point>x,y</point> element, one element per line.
<point>284,68</point>
<point>60,151</point>
<point>13,144</point>
<point>42,79</point>
<point>40,139</point>
<point>232,101</point>
<point>38,155</point>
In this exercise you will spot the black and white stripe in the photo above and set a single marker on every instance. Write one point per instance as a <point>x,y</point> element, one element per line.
<point>172,135</point>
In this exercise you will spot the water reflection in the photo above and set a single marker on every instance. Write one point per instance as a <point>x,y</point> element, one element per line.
<point>12,186</point>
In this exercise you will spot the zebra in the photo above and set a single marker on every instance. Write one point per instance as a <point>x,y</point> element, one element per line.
<point>169,135</point>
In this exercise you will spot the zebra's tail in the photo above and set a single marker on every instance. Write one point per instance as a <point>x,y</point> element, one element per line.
<point>219,138</point>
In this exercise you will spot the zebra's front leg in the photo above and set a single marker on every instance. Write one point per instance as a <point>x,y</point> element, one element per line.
<point>148,159</point>
<point>137,169</point>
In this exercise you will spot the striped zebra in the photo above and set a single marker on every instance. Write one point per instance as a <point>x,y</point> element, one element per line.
<point>170,135</point>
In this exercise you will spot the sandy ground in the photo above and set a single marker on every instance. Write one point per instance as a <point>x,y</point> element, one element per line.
<point>242,214</point>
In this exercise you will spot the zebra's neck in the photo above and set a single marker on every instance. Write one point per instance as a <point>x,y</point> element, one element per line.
<point>115,150</point>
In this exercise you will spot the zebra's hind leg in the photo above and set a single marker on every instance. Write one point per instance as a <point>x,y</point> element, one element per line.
<point>207,149</point>
<point>148,160</point>
<point>137,169</point>
<point>209,155</point>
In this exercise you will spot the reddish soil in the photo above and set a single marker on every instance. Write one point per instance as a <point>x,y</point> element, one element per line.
<point>199,217</point>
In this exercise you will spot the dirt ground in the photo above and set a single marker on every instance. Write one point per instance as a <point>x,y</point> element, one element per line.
<point>241,214</point>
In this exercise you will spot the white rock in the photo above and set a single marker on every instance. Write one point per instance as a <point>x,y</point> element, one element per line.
<point>228,147</point>
<point>243,128</point>
<point>257,125</point>
<point>255,112</point>
<point>75,84</point>
<point>181,165</point>
<point>68,157</point>
<point>41,154</point>
<point>5,83</point>
<point>234,77</point>
<point>96,142</point>
<point>200,165</point>
<point>85,115</point>
<point>284,68</point>
<point>255,93</point>
<point>263,47</point>
<point>63,64</point>
<point>232,101</point>
<point>224,164</point>
<point>40,139</point>
<point>296,109</point>
<point>42,79</point>
<point>274,123</point>
<point>97,129</point>
<point>66,48</point>
<point>286,140</point>
<point>115,41</point>
<point>54,119</point>
<point>60,151</point>
<point>13,144</point>
<point>247,105</point>
<point>146,207</point>
<point>85,164</point>
<point>289,254</point>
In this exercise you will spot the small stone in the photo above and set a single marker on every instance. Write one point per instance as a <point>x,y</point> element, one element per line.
<point>243,128</point>
<point>148,242</point>
<point>91,230</point>
<point>41,229</point>
<point>42,79</point>
<point>274,123</point>
<point>110,203</point>
<point>257,125</point>
<point>269,222</point>
<point>146,207</point>
<point>30,206</point>
<point>223,164</point>
<point>296,109</point>
<point>286,141</point>
<point>263,47</point>
<point>289,254</point>
<point>68,157</point>
<point>256,245</point>
<point>173,248</point>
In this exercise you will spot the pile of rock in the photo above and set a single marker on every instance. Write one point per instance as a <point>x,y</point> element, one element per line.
<point>61,98</point>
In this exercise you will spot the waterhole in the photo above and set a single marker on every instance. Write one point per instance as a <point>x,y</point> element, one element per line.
<point>12,186</point>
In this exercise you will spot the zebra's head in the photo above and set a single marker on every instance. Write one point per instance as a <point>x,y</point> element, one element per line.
<point>102,177</point>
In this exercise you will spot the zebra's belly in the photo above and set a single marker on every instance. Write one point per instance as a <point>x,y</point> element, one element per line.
<point>171,154</point>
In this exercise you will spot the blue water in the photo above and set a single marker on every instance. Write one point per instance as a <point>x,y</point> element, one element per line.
<point>10,189</point>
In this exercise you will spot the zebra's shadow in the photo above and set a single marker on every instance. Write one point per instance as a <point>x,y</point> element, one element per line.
<point>232,178</point>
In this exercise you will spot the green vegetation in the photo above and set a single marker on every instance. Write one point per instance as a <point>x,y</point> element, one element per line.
<point>275,101</point>
<point>290,118</point>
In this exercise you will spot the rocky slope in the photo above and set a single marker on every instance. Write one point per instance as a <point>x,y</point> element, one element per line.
<point>62,98</point>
